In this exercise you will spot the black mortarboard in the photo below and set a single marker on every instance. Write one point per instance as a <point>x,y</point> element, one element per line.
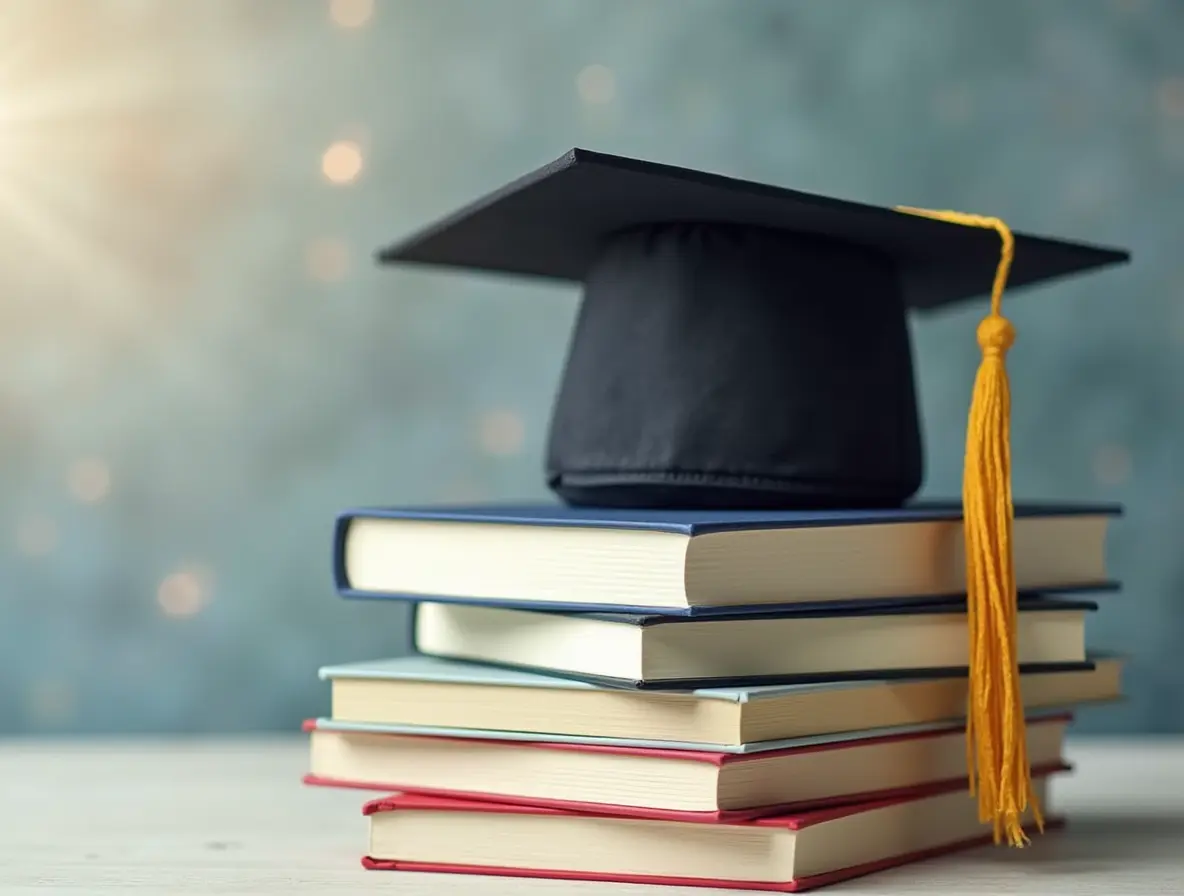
<point>738,344</point>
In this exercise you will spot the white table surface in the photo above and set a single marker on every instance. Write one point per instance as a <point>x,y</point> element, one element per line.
<point>230,817</point>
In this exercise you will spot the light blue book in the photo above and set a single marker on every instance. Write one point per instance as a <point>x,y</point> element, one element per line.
<point>428,696</point>
<point>638,743</point>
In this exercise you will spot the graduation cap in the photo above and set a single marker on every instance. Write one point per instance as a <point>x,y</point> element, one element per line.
<point>742,345</point>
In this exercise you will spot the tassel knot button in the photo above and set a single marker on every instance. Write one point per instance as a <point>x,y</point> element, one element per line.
<point>996,335</point>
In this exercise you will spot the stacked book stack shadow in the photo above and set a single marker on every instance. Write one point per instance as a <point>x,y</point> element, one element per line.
<point>763,700</point>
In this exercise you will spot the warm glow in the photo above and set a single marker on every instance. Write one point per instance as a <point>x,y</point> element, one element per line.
<point>596,84</point>
<point>1171,97</point>
<point>89,480</point>
<point>350,13</point>
<point>502,433</point>
<point>51,702</point>
<point>1177,313</point>
<point>953,103</point>
<point>462,491</point>
<point>120,146</point>
<point>342,162</point>
<point>183,593</point>
<point>1112,465</point>
<point>327,259</point>
<point>37,536</point>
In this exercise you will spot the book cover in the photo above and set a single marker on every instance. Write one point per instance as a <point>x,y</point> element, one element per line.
<point>793,821</point>
<point>689,523</point>
<point>702,522</point>
<point>430,669</point>
<point>527,737</point>
<point>713,757</point>
<point>1034,603</point>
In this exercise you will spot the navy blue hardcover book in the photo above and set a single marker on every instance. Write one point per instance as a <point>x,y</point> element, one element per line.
<point>695,563</point>
<point>800,646</point>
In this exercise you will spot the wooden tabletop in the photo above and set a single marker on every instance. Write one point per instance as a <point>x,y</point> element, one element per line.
<point>230,817</point>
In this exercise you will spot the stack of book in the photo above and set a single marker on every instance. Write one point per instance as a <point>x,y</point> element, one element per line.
<point>761,700</point>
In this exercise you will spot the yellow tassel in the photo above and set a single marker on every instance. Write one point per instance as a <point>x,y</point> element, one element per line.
<point>996,743</point>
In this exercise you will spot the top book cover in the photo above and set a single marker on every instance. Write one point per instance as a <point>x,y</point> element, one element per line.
<point>688,562</point>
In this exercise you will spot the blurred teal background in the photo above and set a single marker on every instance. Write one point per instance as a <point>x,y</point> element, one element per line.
<point>201,364</point>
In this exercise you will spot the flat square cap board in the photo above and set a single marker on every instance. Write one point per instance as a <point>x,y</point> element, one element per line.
<point>738,344</point>
<point>552,223</point>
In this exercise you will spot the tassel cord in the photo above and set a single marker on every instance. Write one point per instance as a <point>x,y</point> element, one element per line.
<point>996,749</point>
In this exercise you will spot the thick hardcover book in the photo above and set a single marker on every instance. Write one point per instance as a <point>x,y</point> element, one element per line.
<point>432,695</point>
<point>785,853</point>
<point>617,779</point>
<point>698,562</point>
<point>790,646</point>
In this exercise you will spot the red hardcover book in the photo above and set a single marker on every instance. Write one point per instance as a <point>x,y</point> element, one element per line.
<point>784,853</point>
<point>684,784</point>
